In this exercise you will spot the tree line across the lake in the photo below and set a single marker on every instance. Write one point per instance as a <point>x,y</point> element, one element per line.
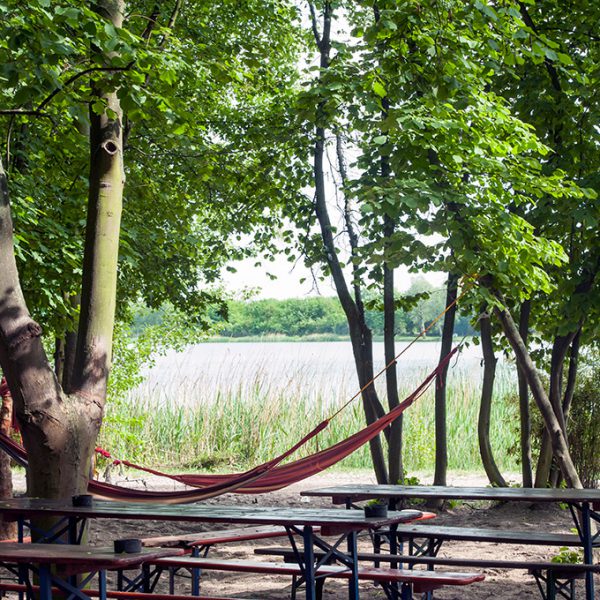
<point>319,316</point>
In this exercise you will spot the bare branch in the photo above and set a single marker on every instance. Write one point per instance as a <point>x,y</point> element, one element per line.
<point>38,112</point>
<point>313,20</point>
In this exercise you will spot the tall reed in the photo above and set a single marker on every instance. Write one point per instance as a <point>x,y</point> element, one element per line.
<point>248,424</point>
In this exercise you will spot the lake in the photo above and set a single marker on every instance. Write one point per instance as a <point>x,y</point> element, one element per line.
<point>208,371</point>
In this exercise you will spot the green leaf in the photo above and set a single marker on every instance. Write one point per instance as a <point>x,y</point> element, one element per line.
<point>379,89</point>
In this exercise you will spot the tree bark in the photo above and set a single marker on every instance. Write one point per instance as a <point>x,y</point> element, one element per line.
<point>49,421</point>
<point>569,392</point>
<point>526,461</point>
<point>98,293</point>
<point>487,391</point>
<point>395,462</point>
<point>8,529</point>
<point>559,353</point>
<point>70,348</point>
<point>59,430</point>
<point>441,433</point>
<point>557,437</point>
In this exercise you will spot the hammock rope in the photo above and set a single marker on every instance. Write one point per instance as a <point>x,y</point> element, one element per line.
<point>407,347</point>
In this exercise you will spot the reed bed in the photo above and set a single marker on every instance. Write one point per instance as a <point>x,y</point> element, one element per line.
<point>243,425</point>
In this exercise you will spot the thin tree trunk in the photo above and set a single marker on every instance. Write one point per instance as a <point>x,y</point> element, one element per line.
<point>64,350</point>
<point>395,463</point>
<point>487,391</point>
<point>526,461</point>
<point>559,353</point>
<point>360,334</point>
<point>559,442</point>
<point>569,391</point>
<point>572,374</point>
<point>441,433</point>
<point>70,347</point>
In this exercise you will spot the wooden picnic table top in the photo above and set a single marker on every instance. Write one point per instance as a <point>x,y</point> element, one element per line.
<point>340,494</point>
<point>201,513</point>
<point>79,558</point>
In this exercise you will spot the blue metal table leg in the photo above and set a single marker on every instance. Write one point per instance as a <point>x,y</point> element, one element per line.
<point>102,584</point>
<point>45,583</point>
<point>588,556</point>
<point>406,592</point>
<point>353,592</point>
<point>20,529</point>
<point>309,562</point>
<point>195,574</point>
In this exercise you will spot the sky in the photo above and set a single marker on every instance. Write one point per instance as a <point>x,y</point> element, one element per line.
<point>287,284</point>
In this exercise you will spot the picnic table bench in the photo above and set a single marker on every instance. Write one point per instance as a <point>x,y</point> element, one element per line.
<point>584,506</point>
<point>558,577</point>
<point>56,565</point>
<point>32,592</point>
<point>202,541</point>
<point>411,581</point>
<point>197,544</point>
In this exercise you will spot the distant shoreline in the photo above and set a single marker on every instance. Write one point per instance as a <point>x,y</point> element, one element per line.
<point>316,337</point>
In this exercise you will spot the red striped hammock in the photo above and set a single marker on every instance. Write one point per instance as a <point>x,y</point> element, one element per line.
<point>267,477</point>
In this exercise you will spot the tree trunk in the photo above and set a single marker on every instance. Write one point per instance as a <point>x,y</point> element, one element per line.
<point>557,437</point>
<point>487,391</point>
<point>49,422</point>
<point>569,391</point>
<point>360,334</point>
<point>8,529</point>
<point>59,430</point>
<point>526,461</point>
<point>395,462</point>
<point>559,353</point>
<point>441,433</point>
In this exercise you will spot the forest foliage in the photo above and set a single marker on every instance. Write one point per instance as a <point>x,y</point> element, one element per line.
<point>357,137</point>
<point>319,317</point>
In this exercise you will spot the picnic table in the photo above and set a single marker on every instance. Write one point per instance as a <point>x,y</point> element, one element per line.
<point>312,525</point>
<point>56,564</point>
<point>584,505</point>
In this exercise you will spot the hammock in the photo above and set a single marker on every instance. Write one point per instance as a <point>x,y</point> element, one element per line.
<point>265,478</point>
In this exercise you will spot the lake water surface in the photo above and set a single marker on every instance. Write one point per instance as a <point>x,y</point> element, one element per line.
<point>208,371</point>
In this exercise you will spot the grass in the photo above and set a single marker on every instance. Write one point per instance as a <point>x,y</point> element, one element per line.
<point>245,426</point>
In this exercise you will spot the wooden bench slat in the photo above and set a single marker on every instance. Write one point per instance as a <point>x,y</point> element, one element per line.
<point>20,587</point>
<point>506,536</point>
<point>209,538</point>
<point>437,578</point>
<point>288,554</point>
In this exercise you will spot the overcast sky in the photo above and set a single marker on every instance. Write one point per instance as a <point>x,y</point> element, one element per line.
<point>287,284</point>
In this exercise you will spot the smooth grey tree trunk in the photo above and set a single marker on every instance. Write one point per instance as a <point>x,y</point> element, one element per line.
<point>485,410</point>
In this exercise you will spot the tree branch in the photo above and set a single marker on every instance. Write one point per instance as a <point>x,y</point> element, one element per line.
<point>38,112</point>
<point>313,20</point>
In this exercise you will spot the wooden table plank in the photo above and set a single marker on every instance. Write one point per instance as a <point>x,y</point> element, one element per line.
<point>202,513</point>
<point>368,491</point>
<point>104,557</point>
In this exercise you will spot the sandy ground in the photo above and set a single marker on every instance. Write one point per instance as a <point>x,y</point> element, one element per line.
<point>509,585</point>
